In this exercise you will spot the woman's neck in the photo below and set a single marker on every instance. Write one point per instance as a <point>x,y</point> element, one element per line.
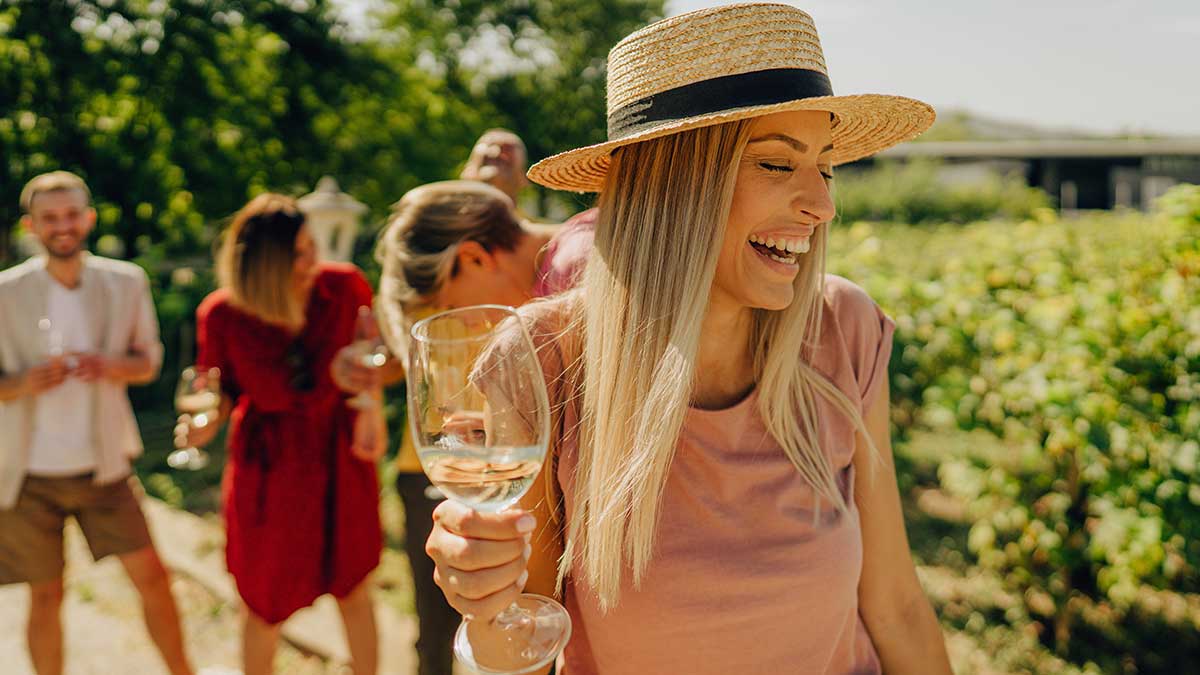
<point>725,359</point>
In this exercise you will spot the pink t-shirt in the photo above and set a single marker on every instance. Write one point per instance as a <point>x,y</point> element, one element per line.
<point>566,255</point>
<point>742,580</point>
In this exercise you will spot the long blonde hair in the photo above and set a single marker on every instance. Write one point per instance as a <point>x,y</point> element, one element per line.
<point>663,211</point>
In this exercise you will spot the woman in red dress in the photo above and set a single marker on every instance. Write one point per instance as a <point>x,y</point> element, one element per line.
<point>300,493</point>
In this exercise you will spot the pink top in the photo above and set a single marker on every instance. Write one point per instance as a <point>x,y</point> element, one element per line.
<point>743,580</point>
<point>566,255</point>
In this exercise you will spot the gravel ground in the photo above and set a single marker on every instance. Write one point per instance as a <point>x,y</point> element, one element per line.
<point>103,628</point>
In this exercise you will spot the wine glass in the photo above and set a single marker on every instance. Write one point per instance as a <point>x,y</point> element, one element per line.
<point>480,419</point>
<point>369,351</point>
<point>52,338</point>
<point>198,397</point>
<point>54,344</point>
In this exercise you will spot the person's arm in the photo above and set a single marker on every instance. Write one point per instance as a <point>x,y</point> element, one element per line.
<point>142,359</point>
<point>898,616</point>
<point>12,386</point>
<point>32,381</point>
<point>132,368</point>
<point>370,436</point>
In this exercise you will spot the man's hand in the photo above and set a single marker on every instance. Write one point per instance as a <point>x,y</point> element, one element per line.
<point>90,367</point>
<point>44,376</point>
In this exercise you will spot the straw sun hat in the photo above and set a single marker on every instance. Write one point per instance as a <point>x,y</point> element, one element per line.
<point>723,64</point>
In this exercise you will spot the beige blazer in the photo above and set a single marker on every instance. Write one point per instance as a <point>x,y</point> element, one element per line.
<point>121,312</point>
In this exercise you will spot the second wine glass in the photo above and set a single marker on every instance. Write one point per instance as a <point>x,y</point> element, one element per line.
<point>480,419</point>
<point>198,396</point>
<point>370,352</point>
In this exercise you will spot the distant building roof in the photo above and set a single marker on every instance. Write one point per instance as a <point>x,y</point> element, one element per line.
<point>1047,149</point>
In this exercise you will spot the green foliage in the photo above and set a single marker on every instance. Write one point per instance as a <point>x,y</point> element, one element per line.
<point>916,192</point>
<point>1181,202</point>
<point>1078,344</point>
<point>543,74</point>
<point>176,113</point>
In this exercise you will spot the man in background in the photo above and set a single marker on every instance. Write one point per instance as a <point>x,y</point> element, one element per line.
<point>76,330</point>
<point>499,159</point>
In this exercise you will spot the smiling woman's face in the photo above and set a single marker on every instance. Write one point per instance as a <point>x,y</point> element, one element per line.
<point>781,196</point>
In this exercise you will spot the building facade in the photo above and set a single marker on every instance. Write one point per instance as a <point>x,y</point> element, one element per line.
<point>1078,174</point>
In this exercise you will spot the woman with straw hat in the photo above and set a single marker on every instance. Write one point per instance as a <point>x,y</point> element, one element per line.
<point>722,496</point>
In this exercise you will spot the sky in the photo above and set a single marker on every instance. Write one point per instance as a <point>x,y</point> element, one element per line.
<point>1101,65</point>
<point>1107,66</point>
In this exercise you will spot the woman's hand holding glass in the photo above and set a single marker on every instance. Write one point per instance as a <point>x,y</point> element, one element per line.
<point>480,420</point>
<point>481,557</point>
<point>198,400</point>
<point>367,353</point>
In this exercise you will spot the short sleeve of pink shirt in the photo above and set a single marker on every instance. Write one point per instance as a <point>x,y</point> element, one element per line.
<point>566,255</point>
<point>748,575</point>
<point>866,334</point>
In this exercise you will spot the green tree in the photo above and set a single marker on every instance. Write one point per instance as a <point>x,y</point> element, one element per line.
<point>176,113</point>
<point>536,67</point>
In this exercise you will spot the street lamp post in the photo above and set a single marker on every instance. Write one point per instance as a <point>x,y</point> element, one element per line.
<point>333,219</point>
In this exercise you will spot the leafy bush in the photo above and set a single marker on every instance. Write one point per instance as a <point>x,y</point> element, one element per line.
<point>914,192</point>
<point>1078,343</point>
<point>1182,202</point>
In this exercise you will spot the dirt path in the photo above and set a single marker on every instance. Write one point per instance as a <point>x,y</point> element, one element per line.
<point>103,628</point>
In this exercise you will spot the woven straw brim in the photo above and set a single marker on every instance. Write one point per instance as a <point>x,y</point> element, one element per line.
<point>866,124</point>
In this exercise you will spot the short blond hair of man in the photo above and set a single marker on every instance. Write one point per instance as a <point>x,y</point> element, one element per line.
<point>54,181</point>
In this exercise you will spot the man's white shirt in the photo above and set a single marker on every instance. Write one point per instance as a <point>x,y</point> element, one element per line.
<point>62,442</point>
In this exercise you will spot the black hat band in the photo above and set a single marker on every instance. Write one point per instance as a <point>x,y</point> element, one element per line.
<point>716,95</point>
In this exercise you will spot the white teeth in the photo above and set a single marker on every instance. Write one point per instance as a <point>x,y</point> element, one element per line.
<point>789,260</point>
<point>792,246</point>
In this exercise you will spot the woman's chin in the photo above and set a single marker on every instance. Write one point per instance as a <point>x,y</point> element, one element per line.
<point>770,301</point>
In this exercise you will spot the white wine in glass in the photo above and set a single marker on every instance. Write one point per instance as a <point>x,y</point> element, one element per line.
<point>197,396</point>
<point>480,420</point>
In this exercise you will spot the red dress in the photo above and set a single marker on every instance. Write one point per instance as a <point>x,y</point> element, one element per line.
<point>301,512</point>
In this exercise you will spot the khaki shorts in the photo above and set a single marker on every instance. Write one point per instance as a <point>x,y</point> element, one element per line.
<point>31,533</point>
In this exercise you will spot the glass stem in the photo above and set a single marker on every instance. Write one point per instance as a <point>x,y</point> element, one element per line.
<point>512,618</point>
